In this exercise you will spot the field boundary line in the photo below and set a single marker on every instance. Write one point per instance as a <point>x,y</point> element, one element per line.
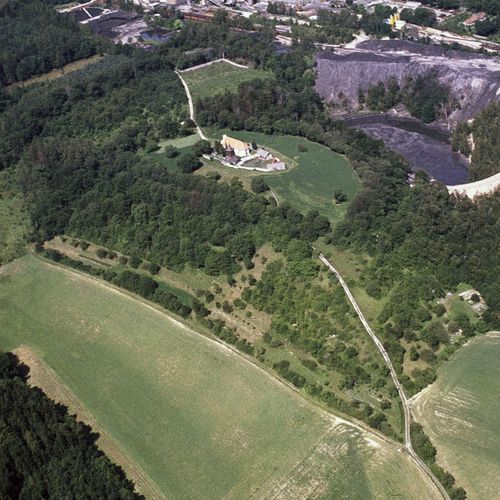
<point>353,422</point>
<point>402,396</point>
<point>43,376</point>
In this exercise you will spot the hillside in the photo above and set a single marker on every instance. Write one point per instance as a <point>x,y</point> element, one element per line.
<point>171,398</point>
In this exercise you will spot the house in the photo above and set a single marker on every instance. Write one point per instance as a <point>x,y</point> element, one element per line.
<point>231,157</point>
<point>240,148</point>
<point>263,154</point>
<point>470,21</point>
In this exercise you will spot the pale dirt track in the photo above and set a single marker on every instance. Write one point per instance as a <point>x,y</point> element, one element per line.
<point>478,188</point>
<point>402,396</point>
<point>42,376</point>
<point>191,107</point>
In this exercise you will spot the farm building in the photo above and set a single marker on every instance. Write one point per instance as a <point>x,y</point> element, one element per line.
<point>240,148</point>
<point>263,154</point>
<point>470,21</point>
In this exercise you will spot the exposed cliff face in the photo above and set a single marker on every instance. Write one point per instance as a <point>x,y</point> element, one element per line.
<point>473,79</point>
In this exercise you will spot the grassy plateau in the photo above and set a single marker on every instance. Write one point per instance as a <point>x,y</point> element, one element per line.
<point>218,78</point>
<point>312,177</point>
<point>461,414</point>
<point>201,420</point>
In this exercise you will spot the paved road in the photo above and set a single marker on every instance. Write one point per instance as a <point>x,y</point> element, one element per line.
<point>402,396</point>
<point>191,107</point>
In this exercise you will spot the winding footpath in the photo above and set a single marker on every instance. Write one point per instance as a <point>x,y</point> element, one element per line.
<point>402,396</point>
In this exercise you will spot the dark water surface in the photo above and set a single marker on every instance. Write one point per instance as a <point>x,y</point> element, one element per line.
<point>424,147</point>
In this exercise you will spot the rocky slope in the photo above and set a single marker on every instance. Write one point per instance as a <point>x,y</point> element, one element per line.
<point>474,80</point>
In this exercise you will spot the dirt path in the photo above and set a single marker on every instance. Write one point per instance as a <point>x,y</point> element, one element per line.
<point>273,194</point>
<point>191,107</point>
<point>42,376</point>
<point>402,396</point>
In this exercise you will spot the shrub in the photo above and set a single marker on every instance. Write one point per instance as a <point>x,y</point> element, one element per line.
<point>135,261</point>
<point>171,152</point>
<point>101,253</point>
<point>84,245</point>
<point>258,185</point>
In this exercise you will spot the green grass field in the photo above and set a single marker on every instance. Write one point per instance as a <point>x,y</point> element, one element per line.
<point>461,414</point>
<point>201,420</point>
<point>315,174</point>
<point>218,78</point>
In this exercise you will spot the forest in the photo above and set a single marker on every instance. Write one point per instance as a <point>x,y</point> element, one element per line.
<point>45,452</point>
<point>34,39</point>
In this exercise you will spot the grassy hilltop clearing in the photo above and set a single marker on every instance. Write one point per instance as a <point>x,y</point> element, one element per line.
<point>461,414</point>
<point>220,77</point>
<point>172,399</point>
<point>314,172</point>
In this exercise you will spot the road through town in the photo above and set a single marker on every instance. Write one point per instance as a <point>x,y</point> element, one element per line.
<point>402,396</point>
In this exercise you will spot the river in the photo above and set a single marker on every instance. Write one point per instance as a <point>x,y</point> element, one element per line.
<point>423,146</point>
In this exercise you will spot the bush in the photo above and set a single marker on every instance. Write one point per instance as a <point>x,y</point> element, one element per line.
<point>84,245</point>
<point>123,260</point>
<point>151,268</point>
<point>171,152</point>
<point>258,185</point>
<point>340,196</point>
<point>188,163</point>
<point>135,261</point>
<point>101,253</point>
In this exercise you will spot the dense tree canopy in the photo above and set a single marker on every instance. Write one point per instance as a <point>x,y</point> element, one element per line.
<point>35,38</point>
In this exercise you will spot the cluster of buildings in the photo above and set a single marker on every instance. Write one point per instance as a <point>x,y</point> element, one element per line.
<point>240,154</point>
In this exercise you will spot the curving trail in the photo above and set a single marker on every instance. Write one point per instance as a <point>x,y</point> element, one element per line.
<point>402,396</point>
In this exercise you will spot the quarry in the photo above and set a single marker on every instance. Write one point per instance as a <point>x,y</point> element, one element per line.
<point>473,81</point>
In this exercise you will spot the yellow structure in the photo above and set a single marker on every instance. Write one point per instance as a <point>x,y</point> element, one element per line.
<point>393,19</point>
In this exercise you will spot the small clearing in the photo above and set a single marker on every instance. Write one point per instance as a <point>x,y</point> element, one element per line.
<point>219,78</point>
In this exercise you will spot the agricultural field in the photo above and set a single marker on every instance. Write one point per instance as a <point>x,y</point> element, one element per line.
<point>461,414</point>
<point>218,78</point>
<point>201,420</point>
<point>315,173</point>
